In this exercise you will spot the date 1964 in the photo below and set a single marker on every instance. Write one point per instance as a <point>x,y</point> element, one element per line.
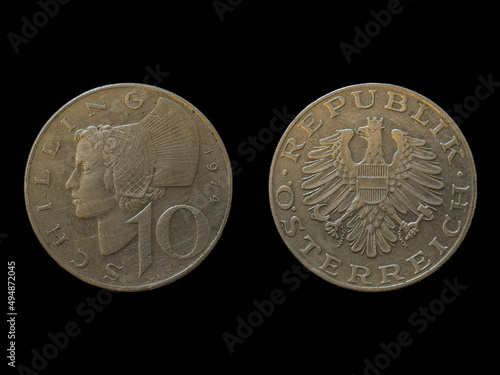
<point>11,313</point>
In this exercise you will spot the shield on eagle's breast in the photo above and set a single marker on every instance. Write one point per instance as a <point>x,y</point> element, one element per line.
<point>372,182</point>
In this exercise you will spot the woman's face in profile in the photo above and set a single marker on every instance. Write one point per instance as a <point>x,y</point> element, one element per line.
<point>86,182</point>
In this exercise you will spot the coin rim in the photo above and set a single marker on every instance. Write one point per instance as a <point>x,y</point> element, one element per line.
<point>449,253</point>
<point>185,271</point>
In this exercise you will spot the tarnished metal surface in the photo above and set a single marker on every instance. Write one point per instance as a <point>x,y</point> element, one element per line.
<point>128,187</point>
<point>373,187</point>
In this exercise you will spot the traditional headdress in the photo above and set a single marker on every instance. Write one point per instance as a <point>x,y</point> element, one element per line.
<point>161,150</point>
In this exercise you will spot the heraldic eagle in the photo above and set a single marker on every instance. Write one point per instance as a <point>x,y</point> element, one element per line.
<point>368,196</point>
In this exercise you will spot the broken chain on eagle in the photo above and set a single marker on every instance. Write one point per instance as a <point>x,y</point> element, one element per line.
<point>373,187</point>
<point>128,187</point>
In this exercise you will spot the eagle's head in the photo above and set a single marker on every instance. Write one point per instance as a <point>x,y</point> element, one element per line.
<point>372,132</point>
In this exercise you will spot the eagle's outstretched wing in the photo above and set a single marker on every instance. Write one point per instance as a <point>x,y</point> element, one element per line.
<point>413,175</point>
<point>330,176</point>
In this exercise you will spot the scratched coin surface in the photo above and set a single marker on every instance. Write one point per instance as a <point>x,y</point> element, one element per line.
<point>128,187</point>
<point>373,187</point>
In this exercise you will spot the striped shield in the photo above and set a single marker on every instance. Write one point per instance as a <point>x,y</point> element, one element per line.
<point>373,181</point>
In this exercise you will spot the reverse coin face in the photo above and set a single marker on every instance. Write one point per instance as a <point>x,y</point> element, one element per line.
<point>128,187</point>
<point>373,187</point>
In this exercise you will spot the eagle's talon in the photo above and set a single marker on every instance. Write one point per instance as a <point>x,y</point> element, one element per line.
<point>332,228</point>
<point>411,230</point>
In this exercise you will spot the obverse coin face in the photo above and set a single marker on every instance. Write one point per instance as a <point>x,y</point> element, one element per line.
<point>373,187</point>
<point>128,187</point>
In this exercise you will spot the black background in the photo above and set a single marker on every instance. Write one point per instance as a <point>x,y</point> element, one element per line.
<point>236,68</point>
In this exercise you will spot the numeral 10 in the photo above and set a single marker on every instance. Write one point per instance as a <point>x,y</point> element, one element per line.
<point>162,229</point>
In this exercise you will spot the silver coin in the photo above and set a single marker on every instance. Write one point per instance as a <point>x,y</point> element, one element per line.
<point>373,187</point>
<point>128,187</point>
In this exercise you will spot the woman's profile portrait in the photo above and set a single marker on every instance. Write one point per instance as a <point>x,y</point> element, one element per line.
<point>120,169</point>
